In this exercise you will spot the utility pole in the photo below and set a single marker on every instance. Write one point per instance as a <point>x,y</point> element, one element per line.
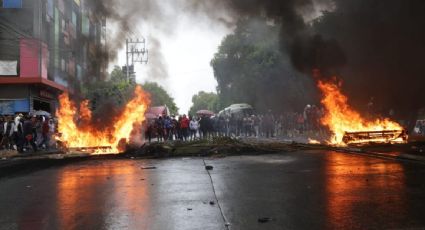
<point>135,52</point>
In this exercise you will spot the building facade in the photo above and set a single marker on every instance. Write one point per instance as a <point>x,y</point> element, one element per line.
<point>47,47</point>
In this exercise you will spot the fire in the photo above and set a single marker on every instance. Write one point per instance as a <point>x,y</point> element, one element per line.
<point>84,135</point>
<point>313,141</point>
<point>340,118</point>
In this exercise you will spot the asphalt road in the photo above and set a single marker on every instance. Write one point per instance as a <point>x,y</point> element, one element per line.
<point>299,190</point>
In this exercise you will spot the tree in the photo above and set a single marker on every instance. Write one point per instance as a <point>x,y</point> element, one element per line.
<point>114,92</point>
<point>159,96</point>
<point>250,68</point>
<point>117,75</point>
<point>204,100</point>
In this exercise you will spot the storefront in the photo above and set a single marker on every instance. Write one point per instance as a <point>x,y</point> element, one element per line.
<point>28,98</point>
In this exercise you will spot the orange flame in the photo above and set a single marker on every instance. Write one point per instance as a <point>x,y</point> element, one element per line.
<point>313,141</point>
<point>84,134</point>
<point>340,117</point>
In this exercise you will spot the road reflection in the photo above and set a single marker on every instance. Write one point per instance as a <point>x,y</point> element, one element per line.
<point>358,188</point>
<point>85,202</point>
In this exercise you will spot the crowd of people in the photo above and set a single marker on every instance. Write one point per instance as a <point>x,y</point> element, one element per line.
<point>25,133</point>
<point>29,132</point>
<point>291,124</point>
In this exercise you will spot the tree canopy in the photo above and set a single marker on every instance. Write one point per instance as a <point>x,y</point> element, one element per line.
<point>159,96</point>
<point>116,91</point>
<point>204,100</point>
<point>106,97</point>
<point>250,68</point>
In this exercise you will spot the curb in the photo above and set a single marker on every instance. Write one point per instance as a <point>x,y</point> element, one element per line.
<point>17,166</point>
<point>412,157</point>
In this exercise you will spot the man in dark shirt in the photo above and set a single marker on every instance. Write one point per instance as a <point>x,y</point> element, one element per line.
<point>28,131</point>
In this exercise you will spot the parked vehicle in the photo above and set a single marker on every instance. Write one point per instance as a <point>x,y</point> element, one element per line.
<point>242,109</point>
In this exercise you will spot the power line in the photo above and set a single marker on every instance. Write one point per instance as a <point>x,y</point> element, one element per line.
<point>136,50</point>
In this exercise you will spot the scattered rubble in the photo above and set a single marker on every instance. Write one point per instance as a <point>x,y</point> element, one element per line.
<point>217,147</point>
<point>209,167</point>
<point>148,167</point>
<point>264,219</point>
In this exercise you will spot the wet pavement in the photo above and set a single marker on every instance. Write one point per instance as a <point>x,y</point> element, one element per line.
<point>298,190</point>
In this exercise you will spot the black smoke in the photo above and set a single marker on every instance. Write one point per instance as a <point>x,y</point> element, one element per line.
<point>384,47</point>
<point>377,47</point>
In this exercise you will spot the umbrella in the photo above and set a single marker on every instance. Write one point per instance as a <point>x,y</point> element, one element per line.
<point>205,112</point>
<point>41,113</point>
<point>150,115</point>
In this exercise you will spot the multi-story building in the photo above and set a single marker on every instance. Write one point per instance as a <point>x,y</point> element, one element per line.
<point>47,47</point>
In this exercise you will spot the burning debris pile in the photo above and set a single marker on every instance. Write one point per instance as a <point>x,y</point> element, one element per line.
<point>348,126</point>
<point>77,131</point>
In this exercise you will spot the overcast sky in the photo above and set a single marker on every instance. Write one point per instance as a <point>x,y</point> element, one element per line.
<point>186,50</point>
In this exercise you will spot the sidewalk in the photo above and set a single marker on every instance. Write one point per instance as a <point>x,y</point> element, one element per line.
<point>12,163</point>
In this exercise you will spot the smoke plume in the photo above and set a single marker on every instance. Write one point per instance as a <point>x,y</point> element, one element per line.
<point>375,46</point>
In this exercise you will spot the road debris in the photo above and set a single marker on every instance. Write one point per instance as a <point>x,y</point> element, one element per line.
<point>264,219</point>
<point>209,167</point>
<point>148,167</point>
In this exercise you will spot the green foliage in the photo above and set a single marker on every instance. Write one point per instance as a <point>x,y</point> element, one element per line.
<point>117,75</point>
<point>160,97</point>
<point>204,100</point>
<point>116,92</point>
<point>250,68</point>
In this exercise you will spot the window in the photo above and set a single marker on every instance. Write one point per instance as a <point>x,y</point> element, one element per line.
<point>74,18</point>
<point>50,8</point>
<point>63,65</point>
<point>12,3</point>
<point>85,30</point>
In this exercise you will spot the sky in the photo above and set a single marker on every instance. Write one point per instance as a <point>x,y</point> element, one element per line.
<point>187,49</point>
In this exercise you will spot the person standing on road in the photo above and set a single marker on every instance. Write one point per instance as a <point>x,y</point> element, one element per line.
<point>194,126</point>
<point>268,125</point>
<point>159,126</point>
<point>256,125</point>
<point>184,125</point>
<point>149,129</point>
<point>168,125</point>
<point>28,130</point>
<point>2,128</point>
<point>45,129</point>
<point>9,127</point>
<point>175,127</point>
<point>18,138</point>
<point>204,124</point>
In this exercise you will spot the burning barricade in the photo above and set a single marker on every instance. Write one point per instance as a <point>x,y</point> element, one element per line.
<point>86,137</point>
<point>348,126</point>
